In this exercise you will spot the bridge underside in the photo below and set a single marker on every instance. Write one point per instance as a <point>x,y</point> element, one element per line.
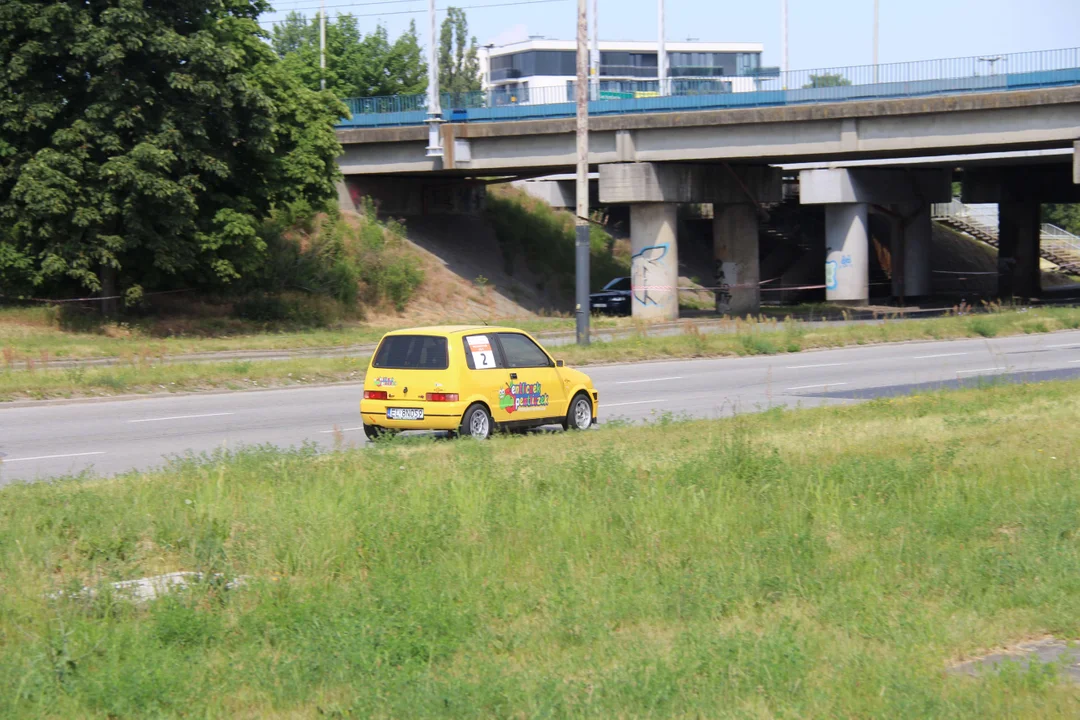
<point>653,163</point>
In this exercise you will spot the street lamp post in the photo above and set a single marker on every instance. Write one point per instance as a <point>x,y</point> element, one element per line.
<point>877,15</point>
<point>434,112</point>
<point>661,52</point>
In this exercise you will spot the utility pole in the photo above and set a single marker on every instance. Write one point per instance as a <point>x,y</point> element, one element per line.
<point>661,53</point>
<point>877,10</point>
<point>783,44</point>
<point>595,59</point>
<point>434,112</point>
<point>581,224</point>
<point>322,44</point>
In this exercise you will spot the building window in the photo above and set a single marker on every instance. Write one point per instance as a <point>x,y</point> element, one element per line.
<point>628,64</point>
<point>533,62</point>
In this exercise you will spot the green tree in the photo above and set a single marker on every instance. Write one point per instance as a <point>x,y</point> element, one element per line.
<point>1065,216</point>
<point>293,33</point>
<point>827,80</point>
<point>142,144</point>
<point>357,65</point>
<point>459,64</point>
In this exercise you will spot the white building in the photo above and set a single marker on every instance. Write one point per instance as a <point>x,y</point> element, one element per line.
<point>539,70</point>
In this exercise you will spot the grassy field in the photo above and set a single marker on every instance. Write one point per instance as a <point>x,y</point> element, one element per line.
<point>35,334</point>
<point>143,374</point>
<point>823,563</point>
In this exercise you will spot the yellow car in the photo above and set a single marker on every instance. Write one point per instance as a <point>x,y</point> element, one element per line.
<point>472,381</point>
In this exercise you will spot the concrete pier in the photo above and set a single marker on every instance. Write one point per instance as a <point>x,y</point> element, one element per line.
<point>735,247</point>
<point>654,265</point>
<point>847,253</point>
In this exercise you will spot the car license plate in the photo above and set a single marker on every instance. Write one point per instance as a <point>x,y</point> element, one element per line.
<point>604,305</point>
<point>404,413</point>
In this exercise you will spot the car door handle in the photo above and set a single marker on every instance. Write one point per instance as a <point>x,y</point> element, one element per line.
<point>513,376</point>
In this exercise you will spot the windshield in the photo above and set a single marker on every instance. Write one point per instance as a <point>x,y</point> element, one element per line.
<point>412,352</point>
<point>618,284</point>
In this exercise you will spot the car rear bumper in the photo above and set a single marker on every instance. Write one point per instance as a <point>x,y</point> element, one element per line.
<point>437,416</point>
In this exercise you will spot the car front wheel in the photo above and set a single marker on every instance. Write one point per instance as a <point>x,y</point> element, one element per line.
<point>477,423</point>
<point>579,416</point>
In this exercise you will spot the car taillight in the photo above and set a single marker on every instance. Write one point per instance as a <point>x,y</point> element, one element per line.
<point>374,394</point>
<point>441,397</point>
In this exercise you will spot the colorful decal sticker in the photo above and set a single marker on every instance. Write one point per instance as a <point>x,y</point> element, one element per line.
<point>522,396</point>
<point>482,356</point>
<point>385,382</point>
<point>830,275</point>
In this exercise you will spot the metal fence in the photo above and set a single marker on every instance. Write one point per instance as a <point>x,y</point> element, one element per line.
<point>1016,71</point>
<point>984,217</point>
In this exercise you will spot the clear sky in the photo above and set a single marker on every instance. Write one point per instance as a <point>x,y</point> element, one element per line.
<point>821,33</point>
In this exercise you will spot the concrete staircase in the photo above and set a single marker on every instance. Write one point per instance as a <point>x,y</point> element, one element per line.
<point>1056,245</point>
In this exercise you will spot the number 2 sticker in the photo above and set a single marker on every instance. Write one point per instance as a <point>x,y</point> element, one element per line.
<point>482,356</point>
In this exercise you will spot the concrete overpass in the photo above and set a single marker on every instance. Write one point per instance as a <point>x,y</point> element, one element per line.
<point>655,161</point>
<point>1010,120</point>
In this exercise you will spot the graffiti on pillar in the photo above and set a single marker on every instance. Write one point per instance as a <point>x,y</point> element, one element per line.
<point>725,277</point>
<point>830,275</point>
<point>644,267</point>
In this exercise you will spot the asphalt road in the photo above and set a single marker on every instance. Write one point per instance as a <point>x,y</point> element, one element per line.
<point>50,440</point>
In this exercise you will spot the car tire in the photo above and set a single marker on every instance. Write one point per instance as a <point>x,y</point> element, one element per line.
<point>477,423</point>
<point>374,432</point>
<point>579,416</point>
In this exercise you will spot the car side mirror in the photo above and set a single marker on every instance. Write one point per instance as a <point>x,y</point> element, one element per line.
<point>559,363</point>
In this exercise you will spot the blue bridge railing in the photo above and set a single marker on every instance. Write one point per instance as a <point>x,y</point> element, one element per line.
<point>981,73</point>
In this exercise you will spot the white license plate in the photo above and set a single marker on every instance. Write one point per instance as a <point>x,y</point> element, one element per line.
<point>600,305</point>
<point>404,413</point>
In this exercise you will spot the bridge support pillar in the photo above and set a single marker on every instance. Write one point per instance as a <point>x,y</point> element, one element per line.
<point>654,265</point>
<point>1019,229</point>
<point>735,247</point>
<point>911,233</point>
<point>847,253</point>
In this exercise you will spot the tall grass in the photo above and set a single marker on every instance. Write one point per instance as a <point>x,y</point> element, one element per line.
<point>826,563</point>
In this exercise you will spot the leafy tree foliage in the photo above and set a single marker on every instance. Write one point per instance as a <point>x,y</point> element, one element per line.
<point>1066,217</point>
<point>357,65</point>
<point>827,80</point>
<point>142,144</point>
<point>459,65</point>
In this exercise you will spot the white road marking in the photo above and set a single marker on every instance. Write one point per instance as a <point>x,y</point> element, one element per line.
<point>804,367</point>
<point>981,370</point>
<point>807,387</point>
<point>1066,345</point>
<point>326,432</point>
<point>5,461</point>
<point>636,402</point>
<point>928,357</point>
<point>181,417</point>
<point>1074,361</point>
<point>634,382</point>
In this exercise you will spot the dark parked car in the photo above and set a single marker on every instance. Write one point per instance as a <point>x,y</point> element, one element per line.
<point>614,299</point>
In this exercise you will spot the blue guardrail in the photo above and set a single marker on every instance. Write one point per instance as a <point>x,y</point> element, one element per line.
<point>409,110</point>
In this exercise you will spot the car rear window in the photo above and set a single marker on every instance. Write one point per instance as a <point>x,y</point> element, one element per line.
<point>412,352</point>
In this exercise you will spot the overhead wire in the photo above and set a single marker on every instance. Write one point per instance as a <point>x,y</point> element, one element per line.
<point>418,12</point>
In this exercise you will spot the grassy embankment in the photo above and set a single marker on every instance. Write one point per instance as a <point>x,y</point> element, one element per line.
<point>141,375</point>
<point>824,563</point>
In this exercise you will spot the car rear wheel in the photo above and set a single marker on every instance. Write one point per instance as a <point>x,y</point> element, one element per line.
<point>374,432</point>
<point>579,416</point>
<point>477,423</point>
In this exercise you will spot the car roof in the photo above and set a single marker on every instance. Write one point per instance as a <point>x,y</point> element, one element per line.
<point>447,330</point>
